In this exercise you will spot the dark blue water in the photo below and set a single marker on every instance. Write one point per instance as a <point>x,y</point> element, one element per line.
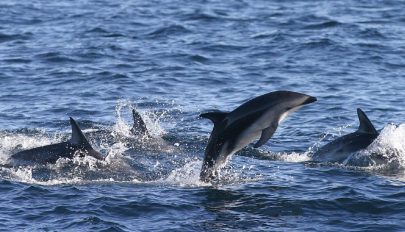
<point>171,60</point>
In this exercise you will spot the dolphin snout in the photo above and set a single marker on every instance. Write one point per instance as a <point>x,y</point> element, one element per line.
<point>310,99</point>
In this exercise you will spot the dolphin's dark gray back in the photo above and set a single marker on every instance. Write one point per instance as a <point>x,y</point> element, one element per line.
<point>51,153</point>
<point>268,100</point>
<point>45,154</point>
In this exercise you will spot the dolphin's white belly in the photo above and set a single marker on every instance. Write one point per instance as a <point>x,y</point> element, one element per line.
<point>286,113</point>
<point>254,131</point>
<point>242,142</point>
<point>276,114</point>
<point>245,139</point>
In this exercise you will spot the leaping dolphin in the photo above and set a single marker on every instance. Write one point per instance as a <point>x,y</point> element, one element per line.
<point>77,145</point>
<point>234,130</point>
<point>341,148</point>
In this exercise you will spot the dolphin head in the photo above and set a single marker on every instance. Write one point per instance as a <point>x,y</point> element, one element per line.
<point>293,101</point>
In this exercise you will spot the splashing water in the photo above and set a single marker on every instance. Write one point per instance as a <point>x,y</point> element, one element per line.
<point>385,154</point>
<point>335,133</point>
<point>187,175</point>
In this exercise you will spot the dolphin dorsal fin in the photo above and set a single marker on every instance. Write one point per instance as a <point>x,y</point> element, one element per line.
<point>78,137</point>
<point>139,127</point>
<point>215,116</point>
<point>365,124</point>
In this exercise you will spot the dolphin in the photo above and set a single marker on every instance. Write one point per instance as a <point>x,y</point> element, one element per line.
<point>234,130</point>
<point>77,145</point>
<point>341,148</point>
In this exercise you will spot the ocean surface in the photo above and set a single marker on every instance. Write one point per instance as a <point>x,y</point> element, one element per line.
<point>171,60</point>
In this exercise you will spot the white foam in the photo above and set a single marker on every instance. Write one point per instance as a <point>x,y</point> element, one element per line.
<point>294,157</point>
<point>391,137</point>
<point>74,171</point>
<point>389,145</point>
<point>189,175</point>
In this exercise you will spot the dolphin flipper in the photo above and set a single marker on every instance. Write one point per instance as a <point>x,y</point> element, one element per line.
<point>365,124</point>
<point>266,135</point>
<point>78,137</point>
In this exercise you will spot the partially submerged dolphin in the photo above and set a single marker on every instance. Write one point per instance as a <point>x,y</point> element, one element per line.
<point>77,145</point>
<point>234,130</point>
<point>341,148</point>
<point>144,139</point>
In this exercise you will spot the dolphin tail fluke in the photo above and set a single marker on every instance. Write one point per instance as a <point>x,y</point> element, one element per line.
<point>365,124</point>
<point>139,127</point>
<point>266,135</point>
<point>215,116</point>
<point>78,137</point>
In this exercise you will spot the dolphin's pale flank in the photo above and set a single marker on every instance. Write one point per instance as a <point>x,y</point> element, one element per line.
<point>77,145</point>
<point>259,117</point>
<point>341,148</point>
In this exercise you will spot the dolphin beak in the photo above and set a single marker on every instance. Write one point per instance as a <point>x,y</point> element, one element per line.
<point>310,99</point>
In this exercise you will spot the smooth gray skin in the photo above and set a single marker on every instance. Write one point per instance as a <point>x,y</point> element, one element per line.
<point>340,149</point>
<point>232,131</point>
<point>77,145</point>
<point>139,127</point>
